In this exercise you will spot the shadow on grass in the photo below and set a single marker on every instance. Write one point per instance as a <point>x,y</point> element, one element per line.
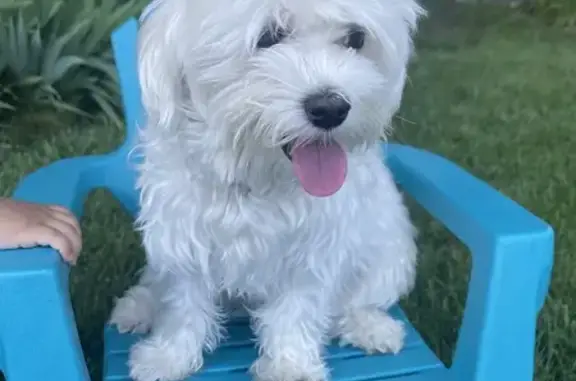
<point>111,260</point>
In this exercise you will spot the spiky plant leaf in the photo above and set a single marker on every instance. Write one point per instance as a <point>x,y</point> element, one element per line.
<point>6,106</point>
<point>56,53</point>
<point>10,5</point>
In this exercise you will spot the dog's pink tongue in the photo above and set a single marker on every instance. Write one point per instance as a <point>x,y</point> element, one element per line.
<point>321,167</point>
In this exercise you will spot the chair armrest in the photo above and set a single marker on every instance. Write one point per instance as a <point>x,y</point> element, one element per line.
<point>474,211</point>
<point>64,183</point>
<point>512,258</point>
<point>38,332</point>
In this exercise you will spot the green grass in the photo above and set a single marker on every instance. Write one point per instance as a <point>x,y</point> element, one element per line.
<point>497,98</point>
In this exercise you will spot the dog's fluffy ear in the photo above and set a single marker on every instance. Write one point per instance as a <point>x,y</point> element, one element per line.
<point>160,70</point>
<point>395,28</point>
<point>394,24</point>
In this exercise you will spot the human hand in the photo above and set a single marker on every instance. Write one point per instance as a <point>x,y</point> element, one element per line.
<point>24,224</point>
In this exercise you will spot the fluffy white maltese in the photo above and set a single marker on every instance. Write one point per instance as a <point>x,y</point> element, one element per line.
<point>263,179</point>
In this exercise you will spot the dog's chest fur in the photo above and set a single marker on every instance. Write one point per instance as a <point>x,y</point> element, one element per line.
<point>253,242</point>
<point>278,240</point>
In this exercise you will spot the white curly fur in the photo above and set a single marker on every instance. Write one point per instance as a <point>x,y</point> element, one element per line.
<point>221,210</point>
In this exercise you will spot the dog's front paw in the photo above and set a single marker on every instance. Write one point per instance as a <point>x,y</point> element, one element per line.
<point>134,311</point>
<point>288,368</point>
<point>152,360</point>
<point>372,330</point>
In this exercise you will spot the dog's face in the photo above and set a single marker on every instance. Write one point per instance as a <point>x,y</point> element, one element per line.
<point>299,80</point>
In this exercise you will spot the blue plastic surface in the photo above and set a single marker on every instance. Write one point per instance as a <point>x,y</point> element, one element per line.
<point>512,258</point>
<point>232,359</point>
<point>512,254</point>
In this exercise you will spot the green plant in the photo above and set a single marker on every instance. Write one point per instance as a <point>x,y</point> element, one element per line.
<point>559,12</point>
<point>56,54</point>
<point>7,5</point>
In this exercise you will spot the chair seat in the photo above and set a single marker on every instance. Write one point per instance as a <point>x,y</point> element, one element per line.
<point>231,361</point>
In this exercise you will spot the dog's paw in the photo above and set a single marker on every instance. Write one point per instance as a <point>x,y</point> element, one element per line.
<point>372,330</point>
<point>134,311</point>
<point>288,369</point>
<point>152,360</point>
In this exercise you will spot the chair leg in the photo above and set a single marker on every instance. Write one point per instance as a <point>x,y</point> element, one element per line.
<point>37,328</point>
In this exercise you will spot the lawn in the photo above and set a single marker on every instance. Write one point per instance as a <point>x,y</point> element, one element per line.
<point>491,91</point>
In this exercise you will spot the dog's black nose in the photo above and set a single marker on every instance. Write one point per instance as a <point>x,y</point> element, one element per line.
<point>326,109</point>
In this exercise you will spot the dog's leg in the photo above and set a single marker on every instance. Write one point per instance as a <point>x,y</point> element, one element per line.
<point>134,311</point>
<point>365,322</point>
<point>187,322</point>
<point>371,329</point>
<point>291,331</point>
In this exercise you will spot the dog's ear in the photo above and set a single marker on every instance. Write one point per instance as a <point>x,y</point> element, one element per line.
<point>159,69</point>
<point>395,25</point>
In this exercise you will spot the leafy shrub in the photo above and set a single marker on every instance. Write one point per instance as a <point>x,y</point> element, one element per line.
<point>558,12</point>
<point>7,5</point>
<point>55,54</point>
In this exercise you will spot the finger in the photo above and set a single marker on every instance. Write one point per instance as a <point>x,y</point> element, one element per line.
<point>66,215</point>
<point>58,208</point>
<point>70,232</point>
<point>45,235</point>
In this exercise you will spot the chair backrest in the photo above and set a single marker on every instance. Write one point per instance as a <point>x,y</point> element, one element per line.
<point>118,174</point>
<point>124,45</point>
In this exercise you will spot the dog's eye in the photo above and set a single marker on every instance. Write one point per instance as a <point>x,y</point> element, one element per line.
<point>354,39</point>
<point>271,37</point>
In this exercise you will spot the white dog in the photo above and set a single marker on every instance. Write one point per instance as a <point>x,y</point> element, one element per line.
<point>263,179</point>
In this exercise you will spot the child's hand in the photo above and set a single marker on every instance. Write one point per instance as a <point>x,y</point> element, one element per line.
<point>28,225</point>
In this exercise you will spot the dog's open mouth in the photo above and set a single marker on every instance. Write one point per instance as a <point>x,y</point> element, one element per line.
<point>319,165</point>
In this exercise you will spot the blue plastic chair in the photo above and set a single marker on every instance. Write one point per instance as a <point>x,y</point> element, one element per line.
<point>512,254</point>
